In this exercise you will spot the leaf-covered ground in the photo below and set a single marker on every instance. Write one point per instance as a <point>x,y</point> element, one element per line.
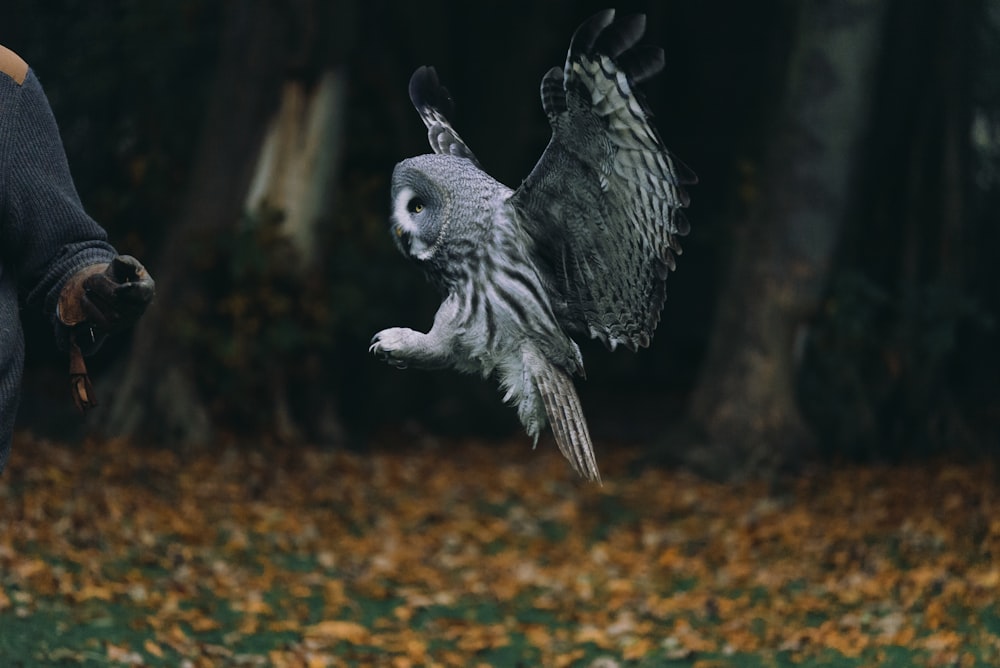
<point>463,554</point>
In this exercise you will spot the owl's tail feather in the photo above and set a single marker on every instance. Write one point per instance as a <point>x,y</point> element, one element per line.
<point>566,417</point>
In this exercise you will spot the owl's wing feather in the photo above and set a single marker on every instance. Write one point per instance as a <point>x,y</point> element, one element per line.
<point>434,104</point>
<point>603,204</point>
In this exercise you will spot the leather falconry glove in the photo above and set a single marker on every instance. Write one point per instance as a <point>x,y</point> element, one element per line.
<point>97,300</point>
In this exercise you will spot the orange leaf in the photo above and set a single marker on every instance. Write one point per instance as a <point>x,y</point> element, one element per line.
<point>351,632</point>
<point>152,648</point>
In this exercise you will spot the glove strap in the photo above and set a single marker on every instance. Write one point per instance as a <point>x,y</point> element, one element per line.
<point>80,385</point>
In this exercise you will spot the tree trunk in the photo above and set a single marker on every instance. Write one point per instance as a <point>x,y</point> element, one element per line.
<point>746,419</point>
<point>156,395</point>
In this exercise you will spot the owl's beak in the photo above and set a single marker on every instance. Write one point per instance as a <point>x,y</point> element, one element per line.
<point>402,238</point>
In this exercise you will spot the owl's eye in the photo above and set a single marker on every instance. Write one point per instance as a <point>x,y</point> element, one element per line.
<point>416,205</point>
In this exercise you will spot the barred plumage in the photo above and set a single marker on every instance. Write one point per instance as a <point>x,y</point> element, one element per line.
<point>584,244</point>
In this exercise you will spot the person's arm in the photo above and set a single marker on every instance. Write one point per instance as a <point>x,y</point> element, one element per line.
<point>47,237</point>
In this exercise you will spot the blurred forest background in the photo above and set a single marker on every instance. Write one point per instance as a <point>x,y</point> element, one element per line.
<point>838,294</point>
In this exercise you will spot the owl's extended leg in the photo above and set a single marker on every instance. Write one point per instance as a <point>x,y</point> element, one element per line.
<point>402,347</point>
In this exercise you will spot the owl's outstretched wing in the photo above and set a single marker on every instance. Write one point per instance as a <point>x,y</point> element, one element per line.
<point>434,104</point>
<point>603,204</point>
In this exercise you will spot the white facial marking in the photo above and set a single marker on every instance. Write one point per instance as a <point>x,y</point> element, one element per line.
<point>403,223</point>
<point>401,213</point>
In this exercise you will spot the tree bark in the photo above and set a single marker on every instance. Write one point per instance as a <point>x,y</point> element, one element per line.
<point>744,411</point>
<point>156,395</point>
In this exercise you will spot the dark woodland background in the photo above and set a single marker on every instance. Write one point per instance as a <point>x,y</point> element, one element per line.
<point>837,297</point>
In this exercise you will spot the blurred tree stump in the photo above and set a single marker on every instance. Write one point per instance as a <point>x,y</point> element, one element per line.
<point>264,45</point>
<point>744,411</point>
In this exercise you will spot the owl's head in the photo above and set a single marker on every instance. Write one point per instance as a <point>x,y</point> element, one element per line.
<point>436,198</point>
<point>421,204</point>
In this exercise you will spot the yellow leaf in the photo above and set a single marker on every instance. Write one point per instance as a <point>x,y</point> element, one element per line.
<point>989,579</point>
<point>944,640</point>
<point>89,591</point>
<point>254,606</point>
<point>153,649</point>
<point>249,625</point>
<point>123,655</point>
<point>637,649</point>
<point>202,623</point>
<point>332,629</point>
<point>416,649</point>
<point>283,625</point>
<point>401,612</point>
<point>177,634</point>
<point>594,635</point>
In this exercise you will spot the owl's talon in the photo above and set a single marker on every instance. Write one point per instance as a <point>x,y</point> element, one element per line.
<point>379,348</point>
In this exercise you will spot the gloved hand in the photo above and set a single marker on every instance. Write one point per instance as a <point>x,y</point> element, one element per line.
<point>107,297</point>
<point>99,299</point>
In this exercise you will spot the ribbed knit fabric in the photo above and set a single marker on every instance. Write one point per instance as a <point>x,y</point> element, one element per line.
<point>45,235</point>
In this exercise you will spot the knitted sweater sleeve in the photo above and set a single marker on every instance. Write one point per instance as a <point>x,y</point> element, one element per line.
<point>45,235</point>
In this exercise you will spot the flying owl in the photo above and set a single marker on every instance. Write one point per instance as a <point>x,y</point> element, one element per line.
<point>583,246</point>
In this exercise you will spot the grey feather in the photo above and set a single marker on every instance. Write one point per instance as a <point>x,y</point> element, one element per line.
<point>434,104</point>
<point>584,245</point>
<point>608,242</point>
<point>562,405</point>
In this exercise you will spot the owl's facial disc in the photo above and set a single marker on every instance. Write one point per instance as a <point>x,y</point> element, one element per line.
<point>409,227</point>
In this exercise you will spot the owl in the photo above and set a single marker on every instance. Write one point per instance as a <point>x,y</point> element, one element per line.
<point>582,247</point>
